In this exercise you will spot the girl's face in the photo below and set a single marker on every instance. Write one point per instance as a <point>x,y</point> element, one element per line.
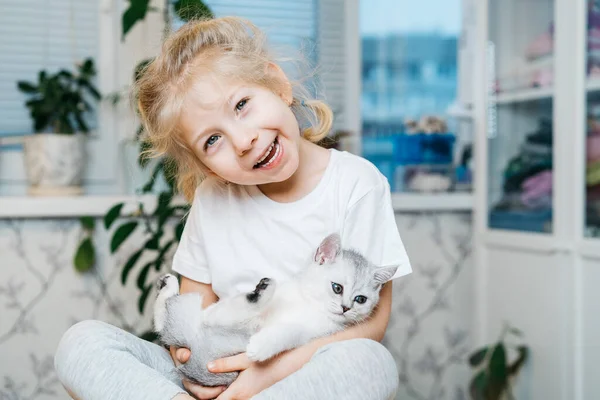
<point>244,133</point>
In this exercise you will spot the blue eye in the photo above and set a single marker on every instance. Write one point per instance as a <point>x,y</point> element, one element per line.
<point>337,289</point>
<point>239,106</point>
<point>360,299</point>
<point>211,141</point>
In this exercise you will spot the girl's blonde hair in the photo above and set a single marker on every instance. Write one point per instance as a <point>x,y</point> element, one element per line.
<point>230,47</point>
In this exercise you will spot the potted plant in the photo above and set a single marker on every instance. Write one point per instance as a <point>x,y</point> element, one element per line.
<point>493,373</point>
<point>58,105</point>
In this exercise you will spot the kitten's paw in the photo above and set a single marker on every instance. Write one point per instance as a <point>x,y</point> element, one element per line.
<point>259,349</point>
<point>263,291</point>
<point>167,284</point>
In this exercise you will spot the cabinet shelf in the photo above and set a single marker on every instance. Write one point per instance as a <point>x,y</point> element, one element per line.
<point>538,94</point>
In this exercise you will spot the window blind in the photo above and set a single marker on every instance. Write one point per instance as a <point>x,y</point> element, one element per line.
<point>313,29</point>
<point>36,35</point>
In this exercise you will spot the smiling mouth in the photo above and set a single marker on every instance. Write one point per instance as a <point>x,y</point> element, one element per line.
<point>270,155</point>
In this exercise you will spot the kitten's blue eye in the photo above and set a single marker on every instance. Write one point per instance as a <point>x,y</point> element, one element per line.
<point>211,141</point>
<point>239,106</point>
<point>360,299</point>
<point>337,289</point>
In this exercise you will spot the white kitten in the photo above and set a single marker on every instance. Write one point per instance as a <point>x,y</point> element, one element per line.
<point>340,287</point>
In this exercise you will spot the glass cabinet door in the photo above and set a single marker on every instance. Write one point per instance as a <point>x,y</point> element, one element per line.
<point>520,135</point>
<point>592,167</point>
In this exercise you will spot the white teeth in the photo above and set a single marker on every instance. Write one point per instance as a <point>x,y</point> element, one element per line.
<point>274,156</point>
<point>266,153</point>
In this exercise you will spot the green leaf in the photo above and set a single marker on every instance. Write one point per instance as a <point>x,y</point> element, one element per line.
<point>149,336</point>
<point>478,387</point>
<point>161,255</point>
<point>153,242</point>
<point>143,298</point>
<point>192,9</point>
<point>136,12</point>
<point>121,234</point>
<point>150,184</point>
<point>498,371</point>
<point>143,275</point>
<point>164,198</point>
<point>179,230</point>
<point>478,356</point>
<point>93,91</point>
<point>27,87</point>
<point>87,68</point>
<point>81,122</point>
<point>112,215</point>
<point>88,223</point>
<point>85,257</point>
<point>129,265</point>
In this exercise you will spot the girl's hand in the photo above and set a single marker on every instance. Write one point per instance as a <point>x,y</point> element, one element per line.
<point>180,355</point>
<point>228,364</point>
<point>255,378</point>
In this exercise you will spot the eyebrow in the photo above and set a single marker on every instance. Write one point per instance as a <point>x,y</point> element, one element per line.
<point>229,102</point>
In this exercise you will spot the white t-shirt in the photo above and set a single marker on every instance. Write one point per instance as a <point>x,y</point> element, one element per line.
<point>235,235</point>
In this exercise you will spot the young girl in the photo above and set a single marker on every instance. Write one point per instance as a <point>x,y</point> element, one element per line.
<point>263,197</point>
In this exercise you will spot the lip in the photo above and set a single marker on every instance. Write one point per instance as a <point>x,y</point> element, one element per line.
<point>276,161</point>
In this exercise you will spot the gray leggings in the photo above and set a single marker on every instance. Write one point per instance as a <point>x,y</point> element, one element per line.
<point>95,360</point>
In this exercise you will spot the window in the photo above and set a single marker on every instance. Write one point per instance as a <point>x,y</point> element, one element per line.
<point>417,44</point>
<point>51,35</point>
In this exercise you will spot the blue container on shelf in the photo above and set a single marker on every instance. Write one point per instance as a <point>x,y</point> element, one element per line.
<point>526,221</point>
<point>424,148</point>
<point>388,152</point>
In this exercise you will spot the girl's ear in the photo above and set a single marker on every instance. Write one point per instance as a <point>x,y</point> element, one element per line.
<point>285,87</point>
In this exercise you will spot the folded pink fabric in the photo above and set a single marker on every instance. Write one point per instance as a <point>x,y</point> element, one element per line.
<point>537,186</point>
<point>593,148</point>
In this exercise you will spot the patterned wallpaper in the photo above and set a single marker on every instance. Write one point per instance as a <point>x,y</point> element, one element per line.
<point>41,295</point>
<point>428,333</point>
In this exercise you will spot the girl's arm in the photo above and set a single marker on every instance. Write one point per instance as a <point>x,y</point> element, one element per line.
<point>205,289</point>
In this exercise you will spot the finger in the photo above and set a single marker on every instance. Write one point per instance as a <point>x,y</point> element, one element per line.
<point>226,395</point>
<point>173,353</point>
<point>203,392</point>
<point>183,355</point>
<point>238,362</point>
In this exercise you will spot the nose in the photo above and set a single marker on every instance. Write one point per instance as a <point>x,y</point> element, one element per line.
<point>244,141</point>
<point>344,308</point>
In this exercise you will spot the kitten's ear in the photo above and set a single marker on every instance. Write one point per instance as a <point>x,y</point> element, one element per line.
<point>383,274</point>
<point>328,249</point>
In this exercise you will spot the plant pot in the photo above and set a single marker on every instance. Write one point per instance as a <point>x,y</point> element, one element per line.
<point>54,164</point>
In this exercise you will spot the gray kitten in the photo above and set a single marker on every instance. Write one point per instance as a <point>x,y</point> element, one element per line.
<point>338,288</point>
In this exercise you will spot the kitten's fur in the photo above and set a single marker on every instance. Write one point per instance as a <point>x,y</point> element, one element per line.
<point>272,318</point>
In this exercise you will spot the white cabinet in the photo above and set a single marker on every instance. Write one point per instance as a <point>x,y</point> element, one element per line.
<point>537,197</point>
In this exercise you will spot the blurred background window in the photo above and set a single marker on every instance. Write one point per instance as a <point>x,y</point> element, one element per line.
<point>37,35</point>
<point>409,81</point>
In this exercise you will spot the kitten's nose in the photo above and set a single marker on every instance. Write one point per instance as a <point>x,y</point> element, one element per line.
<point>344,308</point>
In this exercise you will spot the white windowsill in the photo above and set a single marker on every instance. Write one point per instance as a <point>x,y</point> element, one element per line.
<point>97,206</point>
<point>414,202</point>
<point>69,207</point>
